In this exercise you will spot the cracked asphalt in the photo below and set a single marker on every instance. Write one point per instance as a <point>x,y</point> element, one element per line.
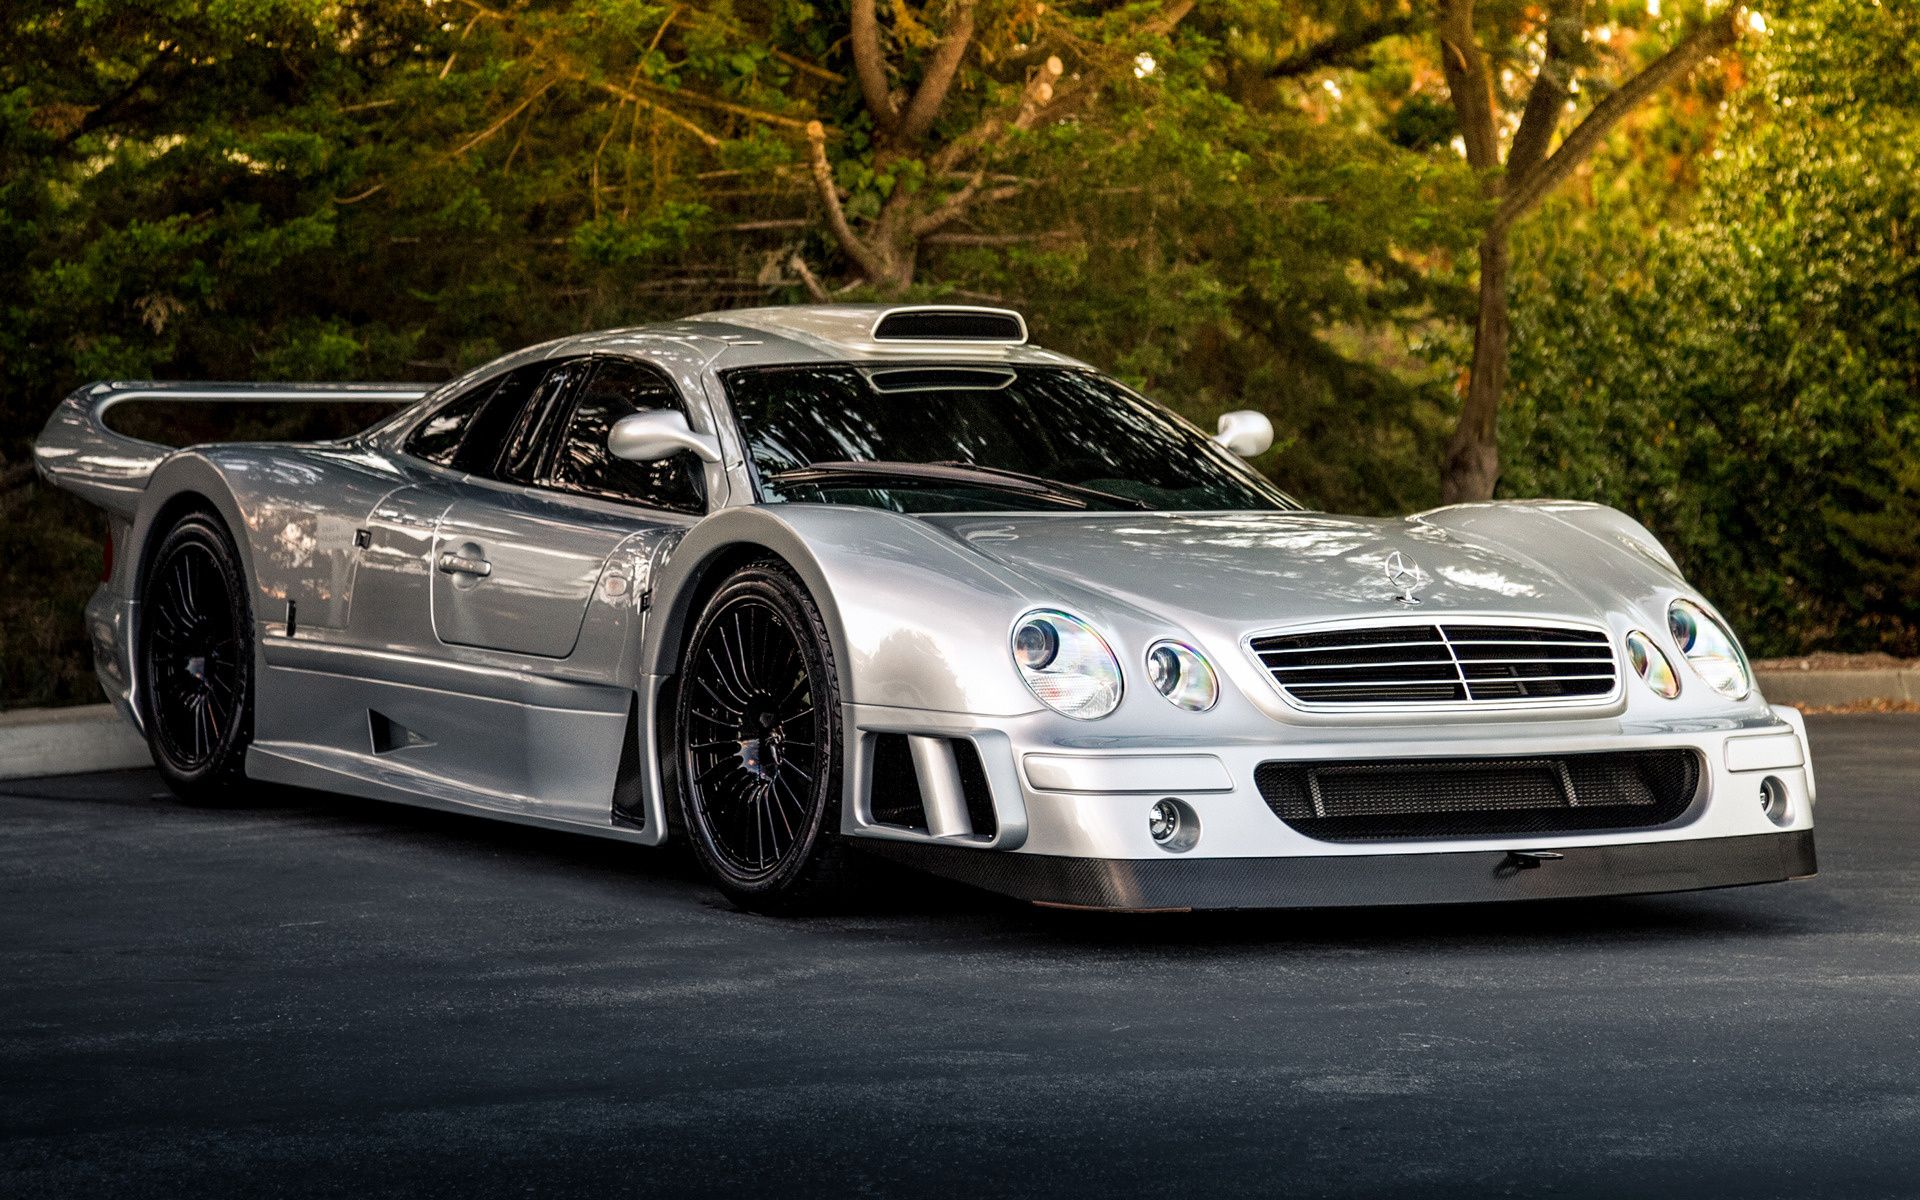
<point>315,996</point>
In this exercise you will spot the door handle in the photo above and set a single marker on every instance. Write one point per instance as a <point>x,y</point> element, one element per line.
<point>460,564</point>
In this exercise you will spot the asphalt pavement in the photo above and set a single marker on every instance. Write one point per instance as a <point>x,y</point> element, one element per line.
<point>312,995</point>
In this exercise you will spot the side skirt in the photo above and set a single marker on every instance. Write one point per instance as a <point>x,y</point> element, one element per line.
<point>356,775</point>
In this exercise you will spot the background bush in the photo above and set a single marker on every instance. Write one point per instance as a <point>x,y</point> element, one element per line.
<point>1715,328</point>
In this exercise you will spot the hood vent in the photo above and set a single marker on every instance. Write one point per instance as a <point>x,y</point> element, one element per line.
<point>1407,665</point>
<point>951,325</point>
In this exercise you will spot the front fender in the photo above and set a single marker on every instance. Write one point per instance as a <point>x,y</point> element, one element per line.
<point>916,618</point>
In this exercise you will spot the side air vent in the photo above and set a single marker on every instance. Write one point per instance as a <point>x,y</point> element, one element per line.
<point>895,789</point>
<point>973,784</point>
<point>389,735</point>
<point>629,800</point>
<point>932,785</point>
<point>951,325</point>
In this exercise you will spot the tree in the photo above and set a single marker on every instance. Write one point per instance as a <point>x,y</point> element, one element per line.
<point>1528,175</point>
<point>1744,377</point>
<point>931,174</point>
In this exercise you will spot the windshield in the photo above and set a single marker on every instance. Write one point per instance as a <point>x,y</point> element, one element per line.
<point>1045,423</point>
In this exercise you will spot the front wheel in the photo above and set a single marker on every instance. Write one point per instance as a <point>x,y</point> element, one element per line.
<point>757,744</point>
<point>196,661</point>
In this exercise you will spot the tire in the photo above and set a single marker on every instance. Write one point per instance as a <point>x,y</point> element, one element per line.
<point>195,655</point>
<point>756,745</point>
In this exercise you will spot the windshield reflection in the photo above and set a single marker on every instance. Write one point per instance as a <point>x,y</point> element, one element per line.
<point>1061,425</point>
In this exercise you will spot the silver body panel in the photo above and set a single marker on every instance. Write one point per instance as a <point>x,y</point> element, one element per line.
<point>519,688</point>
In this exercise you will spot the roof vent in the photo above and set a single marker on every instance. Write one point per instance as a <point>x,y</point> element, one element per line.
<point>941,379</point>
<point>951,325</point>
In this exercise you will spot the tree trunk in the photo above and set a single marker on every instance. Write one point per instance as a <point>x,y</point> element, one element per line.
<point>1473,457</point>
<point>1472,465</point>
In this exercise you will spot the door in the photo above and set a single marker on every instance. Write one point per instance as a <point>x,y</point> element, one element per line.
<point>517,556</point>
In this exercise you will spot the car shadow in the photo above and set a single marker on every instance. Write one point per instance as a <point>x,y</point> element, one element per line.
<point>892,900</point>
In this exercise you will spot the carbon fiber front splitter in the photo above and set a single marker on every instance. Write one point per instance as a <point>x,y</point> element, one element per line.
<point>1356,880</point>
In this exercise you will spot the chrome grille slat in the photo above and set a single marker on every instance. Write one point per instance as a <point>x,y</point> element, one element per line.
<point>1441,664</point>
<point>1436,662</point>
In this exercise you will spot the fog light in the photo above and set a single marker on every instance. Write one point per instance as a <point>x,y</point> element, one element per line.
<point>1773,800</point>
<point>1174,825</point>
<point>1164,821</point>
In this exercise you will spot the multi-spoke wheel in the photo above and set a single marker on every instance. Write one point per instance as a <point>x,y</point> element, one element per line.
<point>196,660</point>
<point>757,724</point>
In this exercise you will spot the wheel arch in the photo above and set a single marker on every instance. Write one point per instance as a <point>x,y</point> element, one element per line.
<point>183,484</point>
<point>907,607</point>
<point>707,556</point>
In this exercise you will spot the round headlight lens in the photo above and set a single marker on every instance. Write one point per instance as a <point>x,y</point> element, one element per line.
<point>1035,645</point>
<point>1709,647</point>
<point>1651,665</point>
<point>1066,664</point>
<point>1182,675</point>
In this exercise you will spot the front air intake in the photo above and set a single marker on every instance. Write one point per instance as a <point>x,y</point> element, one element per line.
<point>951,325</point>
<point>1395,799</point>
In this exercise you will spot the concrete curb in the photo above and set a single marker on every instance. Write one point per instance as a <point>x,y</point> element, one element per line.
<point>68,741</point>
<point>1824,688</point>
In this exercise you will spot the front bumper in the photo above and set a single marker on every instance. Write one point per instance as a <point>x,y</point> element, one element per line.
<point>1359,880</point>
<point>1073,810</point>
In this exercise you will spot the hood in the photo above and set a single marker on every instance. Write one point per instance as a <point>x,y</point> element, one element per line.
<point>1254,570</point>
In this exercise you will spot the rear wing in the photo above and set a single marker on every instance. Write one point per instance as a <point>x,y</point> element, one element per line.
<point>78,453</point>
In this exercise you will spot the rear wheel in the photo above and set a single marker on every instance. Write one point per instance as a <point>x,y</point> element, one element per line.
<point>757,744</point>
<point>196,661</point>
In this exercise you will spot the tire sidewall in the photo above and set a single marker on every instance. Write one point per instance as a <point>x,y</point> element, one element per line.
<point>799,874</point>
<point>214,779</point>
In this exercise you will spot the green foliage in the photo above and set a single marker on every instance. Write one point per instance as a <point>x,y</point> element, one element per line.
<point>1748,382</point>
<point>49,561</point>
<point>1716,331</point>
<point>610,241</point>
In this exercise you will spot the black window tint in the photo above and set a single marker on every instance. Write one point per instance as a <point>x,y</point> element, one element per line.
<point>620,387</point>
<point>480,448</point>
<point>437,439</point>
<point>532,434</point>
<point>1068,426</point>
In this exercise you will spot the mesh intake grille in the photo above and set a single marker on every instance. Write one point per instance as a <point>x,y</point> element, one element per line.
<point>1440,664</point>
<point>1394,799</point>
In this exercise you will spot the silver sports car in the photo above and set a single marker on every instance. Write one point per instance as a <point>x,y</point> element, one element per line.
<point>793,583</point>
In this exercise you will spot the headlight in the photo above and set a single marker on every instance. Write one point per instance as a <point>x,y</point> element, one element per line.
<point>1651,665</point>
<point>1066,664</point>
<point>1709,648</point>
<point>1181,675</point>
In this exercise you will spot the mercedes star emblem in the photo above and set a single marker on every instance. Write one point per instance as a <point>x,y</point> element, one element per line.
<point>1404,574</point>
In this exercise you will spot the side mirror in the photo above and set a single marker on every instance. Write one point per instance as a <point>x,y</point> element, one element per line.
<point>1245,433</point>
<point>657,434</point>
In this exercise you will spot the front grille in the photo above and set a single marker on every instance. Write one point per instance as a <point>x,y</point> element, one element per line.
<point>1440,664</point>
<point>1388,799</point>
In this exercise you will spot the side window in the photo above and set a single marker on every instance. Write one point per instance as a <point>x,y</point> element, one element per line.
<point>617,388</point>
<point>532,434</point>
<point>487,434</point>
<point>437,439</point>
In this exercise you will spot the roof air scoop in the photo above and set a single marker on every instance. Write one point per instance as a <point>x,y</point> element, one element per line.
<point>951,324</point>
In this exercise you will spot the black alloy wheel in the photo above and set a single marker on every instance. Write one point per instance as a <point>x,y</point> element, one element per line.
<point>757,724</point>
<point>196,660</point>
